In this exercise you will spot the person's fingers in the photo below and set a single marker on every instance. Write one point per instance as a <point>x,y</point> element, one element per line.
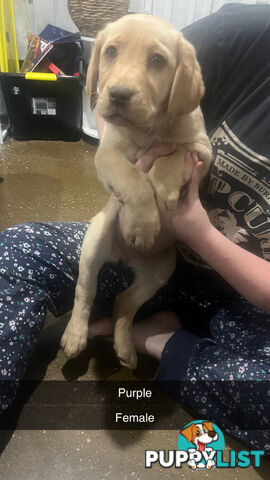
<point>183,193</point>
<point>195,157</point>
<point>189,163</point>
<point>120,199</point>
<point>193,187</point>
<point>145,163</point>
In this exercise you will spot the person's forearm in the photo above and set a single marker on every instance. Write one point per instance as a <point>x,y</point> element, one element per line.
<point>245,272</point>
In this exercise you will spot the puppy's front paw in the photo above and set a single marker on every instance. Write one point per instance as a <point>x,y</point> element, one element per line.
<point>140,229</point>
<point>126,354</point>
<point>166,192</point>
<point>74,339</point>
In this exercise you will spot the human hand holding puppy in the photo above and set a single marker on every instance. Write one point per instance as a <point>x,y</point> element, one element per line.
<point>190,223</point>
<point>189,216</point>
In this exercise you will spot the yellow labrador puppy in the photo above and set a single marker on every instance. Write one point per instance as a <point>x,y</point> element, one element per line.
<point>150,87</point>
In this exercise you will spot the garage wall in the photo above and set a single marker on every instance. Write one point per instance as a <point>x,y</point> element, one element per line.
<point>182,12</point>
<point>33,15</point>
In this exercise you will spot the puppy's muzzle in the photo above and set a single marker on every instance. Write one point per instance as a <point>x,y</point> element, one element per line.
<point>120,96</point>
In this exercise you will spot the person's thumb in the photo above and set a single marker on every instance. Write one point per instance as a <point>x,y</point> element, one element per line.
<point>193,188</point>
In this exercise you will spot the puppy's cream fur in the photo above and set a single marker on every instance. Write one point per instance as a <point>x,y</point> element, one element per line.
<point>148,58</point>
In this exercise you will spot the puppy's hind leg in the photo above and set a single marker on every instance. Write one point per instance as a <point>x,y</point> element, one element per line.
<point>150,275</point>
<point>97,248</point>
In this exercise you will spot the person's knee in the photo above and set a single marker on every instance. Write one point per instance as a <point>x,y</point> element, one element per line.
<point>12,235</point>
<point>17,250</point>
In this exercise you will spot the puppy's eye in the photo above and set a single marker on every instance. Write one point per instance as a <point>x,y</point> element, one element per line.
<point>157,60</point>
<point>111,51</point>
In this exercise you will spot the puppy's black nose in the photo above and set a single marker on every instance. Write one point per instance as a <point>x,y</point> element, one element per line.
<point>120,96</point>
<point>212,433</point>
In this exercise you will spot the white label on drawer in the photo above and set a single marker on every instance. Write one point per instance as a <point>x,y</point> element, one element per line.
<point>43,106</point>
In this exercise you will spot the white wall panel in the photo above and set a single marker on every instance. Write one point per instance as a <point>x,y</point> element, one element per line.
<point>178,12</point>
<point>139,6</point>
<point>22,24</point>
<point>55,12</point>
<point>31,16</point>
<point>38,13</point>
<point>202,9</point>
<point>183,12</point>
<point>163,9</point>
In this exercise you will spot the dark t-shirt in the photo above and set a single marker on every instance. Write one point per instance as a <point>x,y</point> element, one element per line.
<point>233,49</point>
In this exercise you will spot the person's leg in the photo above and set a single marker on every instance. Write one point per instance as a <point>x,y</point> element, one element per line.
<point>150,335</point>
<point>226,379</point>
<point>39,267</point>
<point>38,272</point>
<point>223,379</point>
<point>159,322</point>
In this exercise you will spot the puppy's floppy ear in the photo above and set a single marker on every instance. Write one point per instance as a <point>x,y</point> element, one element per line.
<point>188,87</point>
<point>187,433</point>
<point>92,72</point>
<point>209,426</point>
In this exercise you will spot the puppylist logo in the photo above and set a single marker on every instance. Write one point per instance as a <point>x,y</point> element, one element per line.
<point>201,445</point>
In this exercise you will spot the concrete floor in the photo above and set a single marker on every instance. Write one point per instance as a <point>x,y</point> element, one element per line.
<point>47,181</point>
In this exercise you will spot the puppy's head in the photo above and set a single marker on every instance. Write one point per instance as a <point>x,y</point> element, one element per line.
<point>143,67</point>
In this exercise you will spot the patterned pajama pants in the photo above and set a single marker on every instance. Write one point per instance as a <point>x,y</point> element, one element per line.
<point>218,365</point>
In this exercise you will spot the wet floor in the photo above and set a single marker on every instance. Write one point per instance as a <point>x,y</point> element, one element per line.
<point>56,181</point>
<point>48,181</point>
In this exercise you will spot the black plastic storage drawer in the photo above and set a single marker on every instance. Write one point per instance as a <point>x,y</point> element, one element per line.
<point>43,106</point>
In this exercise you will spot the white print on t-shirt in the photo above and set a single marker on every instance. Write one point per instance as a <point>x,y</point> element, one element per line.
<point>225,221</point>
<point>239,200</point>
